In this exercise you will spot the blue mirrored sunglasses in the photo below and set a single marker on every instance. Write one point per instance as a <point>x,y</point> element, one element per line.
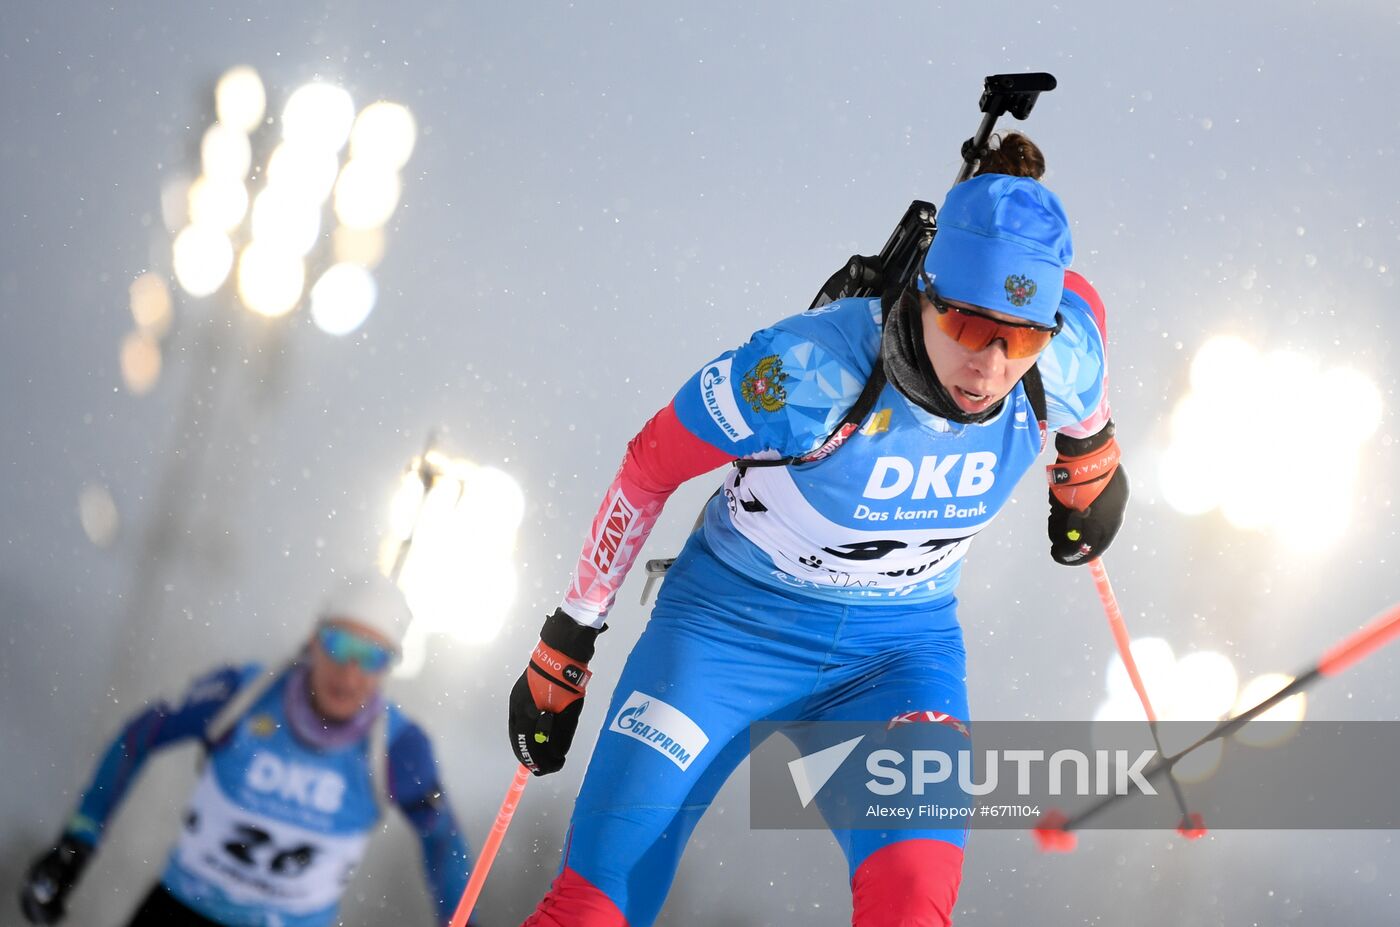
<point>344,646</point>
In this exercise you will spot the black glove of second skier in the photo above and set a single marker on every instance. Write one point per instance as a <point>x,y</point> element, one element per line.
<point>548,697</point>
<point>1088,495</point>
<point>44,895</point>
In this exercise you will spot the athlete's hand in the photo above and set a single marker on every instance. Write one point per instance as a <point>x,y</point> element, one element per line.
<point>548,696</point>
<point>1088,494</point>
<point>43,896</point>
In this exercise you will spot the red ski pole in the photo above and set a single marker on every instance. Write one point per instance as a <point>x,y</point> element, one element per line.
<point>488,850</point>
<point>1054,829</point>
<point>1191,825</point>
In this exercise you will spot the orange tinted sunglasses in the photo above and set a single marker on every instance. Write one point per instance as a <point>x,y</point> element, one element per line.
<point>975,331</point>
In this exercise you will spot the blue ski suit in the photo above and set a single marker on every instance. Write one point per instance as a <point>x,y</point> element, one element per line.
<point>817,592</point>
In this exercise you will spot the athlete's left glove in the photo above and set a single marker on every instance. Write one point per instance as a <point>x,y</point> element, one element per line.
<point>1088,494</point>
<point>43,897</point>
<point>548,697</point>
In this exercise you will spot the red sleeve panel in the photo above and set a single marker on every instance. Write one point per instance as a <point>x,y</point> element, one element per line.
<point>662,456</point>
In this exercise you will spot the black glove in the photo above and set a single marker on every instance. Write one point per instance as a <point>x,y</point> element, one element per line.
<point>1088,494</point>
<point>548,696</point>
<point>43,896</point>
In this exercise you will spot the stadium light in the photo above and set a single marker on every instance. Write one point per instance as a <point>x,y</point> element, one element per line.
<point>319,115</point>
<point>203,257</point>
<point>451,547</point>
<point>277,241</point>
<point>150,304</point>
<point>1193,692</point>
<point>1243,463</point>
<point>343,298</point>
<point>240,100</point>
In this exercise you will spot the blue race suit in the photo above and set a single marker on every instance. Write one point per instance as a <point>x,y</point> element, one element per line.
<point>822,591</point>
<point>275,827</point>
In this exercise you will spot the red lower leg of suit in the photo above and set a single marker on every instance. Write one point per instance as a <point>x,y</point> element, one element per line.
<point>573,901</point>
<point>912,883</point>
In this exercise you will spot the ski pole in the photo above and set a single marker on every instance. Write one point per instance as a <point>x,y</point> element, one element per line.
<point>1191,825</point>
<point>488,850</point>
<point>1054,829</point>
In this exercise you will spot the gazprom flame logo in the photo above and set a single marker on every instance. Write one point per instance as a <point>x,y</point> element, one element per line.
<point>665,728</point>
<point>627,718</point>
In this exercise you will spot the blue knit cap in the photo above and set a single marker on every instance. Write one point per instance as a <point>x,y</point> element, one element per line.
<point>1003,243</point>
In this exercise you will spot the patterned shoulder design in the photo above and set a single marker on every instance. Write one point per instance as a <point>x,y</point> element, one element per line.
<point>1074,367</point>
<point>784,390</point>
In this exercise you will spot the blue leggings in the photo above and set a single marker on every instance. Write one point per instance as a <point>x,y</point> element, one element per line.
<point>722,652</point>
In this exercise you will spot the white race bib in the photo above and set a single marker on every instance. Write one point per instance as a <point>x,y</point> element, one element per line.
<point>256,860</point>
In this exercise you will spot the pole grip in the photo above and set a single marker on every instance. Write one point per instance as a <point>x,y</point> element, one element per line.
<point>488,850</point>
<point>1361,644</point>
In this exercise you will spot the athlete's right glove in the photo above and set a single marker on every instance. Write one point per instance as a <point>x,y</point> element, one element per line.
<point>43,896</point>
<point>548,697</point>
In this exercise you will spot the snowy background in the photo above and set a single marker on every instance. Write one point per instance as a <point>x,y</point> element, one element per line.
<point>602,198</point>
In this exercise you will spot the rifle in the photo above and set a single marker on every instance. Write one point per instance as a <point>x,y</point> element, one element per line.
<point>869,275</point>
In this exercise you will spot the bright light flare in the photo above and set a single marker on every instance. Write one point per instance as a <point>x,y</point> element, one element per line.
<point>284,222</point>
<point>319,115</point>
<point>240,99</point>
<point>384,133</point>
<point>1155,662</point>
<point>220,203</point>
<point>1189,694</point>
<point>302,170</point>
<point>1187,479</point>
<point>1223,365</point>
<point>1279,723</point>
<point>1353,402</point>
<point>1233,440</point>
<point>403,507</point>
<point>1204,687</point>
<point>150,304</point>
<point>175,203</point>
<point>140,362</point>
<point>225,153</point>
<point>1199,686</point>
<point>270,281</point>
<point>359,246</point>
<point>459,574</point>
<point>366,194</point>
<point>202,256</point>
<point>342,299</point>
<point>98,514</point>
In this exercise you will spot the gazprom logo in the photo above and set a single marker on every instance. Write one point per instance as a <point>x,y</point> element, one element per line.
<point>628,717</point>
<point>664,728</point>
<point>719,400</point>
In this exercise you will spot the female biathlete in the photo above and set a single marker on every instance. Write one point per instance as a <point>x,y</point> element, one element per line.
<point>823,590</point>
